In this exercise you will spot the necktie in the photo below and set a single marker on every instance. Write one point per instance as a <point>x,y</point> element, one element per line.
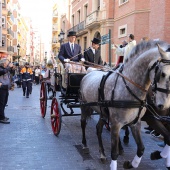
<point>72,48</point>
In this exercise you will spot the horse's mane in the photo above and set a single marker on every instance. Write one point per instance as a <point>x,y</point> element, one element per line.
<point>144,46</point>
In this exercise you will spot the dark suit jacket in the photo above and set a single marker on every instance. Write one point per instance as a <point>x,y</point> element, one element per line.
<point>89,56</point>
<point>65,52</point>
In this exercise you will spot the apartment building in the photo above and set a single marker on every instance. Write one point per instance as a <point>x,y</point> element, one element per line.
<point>123,17</point>
<point>55,30</point>
<point>3,29</point>
<point>14,32</point>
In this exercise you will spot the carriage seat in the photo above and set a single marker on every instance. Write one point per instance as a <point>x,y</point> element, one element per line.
<point>71,72</point>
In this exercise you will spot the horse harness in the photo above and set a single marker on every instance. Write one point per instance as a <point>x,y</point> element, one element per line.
<point>102,103</point>
<point>158,75</point>
<point>105,104</point>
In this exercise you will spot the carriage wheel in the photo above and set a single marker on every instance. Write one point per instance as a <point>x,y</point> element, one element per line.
<point>55,117</point>
<point>43,99</point>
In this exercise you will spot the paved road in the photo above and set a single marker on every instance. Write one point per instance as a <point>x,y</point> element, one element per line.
<point>28,143</point>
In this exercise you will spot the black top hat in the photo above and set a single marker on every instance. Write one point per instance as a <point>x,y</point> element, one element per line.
<point>71,33</point>
<point>96,41</point>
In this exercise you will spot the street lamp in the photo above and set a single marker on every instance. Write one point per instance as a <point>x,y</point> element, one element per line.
<point>61,37</point>
<point>45,59</point>
<point>18,47</point>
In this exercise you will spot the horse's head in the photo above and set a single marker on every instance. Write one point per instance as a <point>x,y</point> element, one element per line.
<point>160,77</point>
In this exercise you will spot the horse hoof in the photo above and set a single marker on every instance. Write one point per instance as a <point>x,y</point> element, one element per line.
<point>85,150</point>
<point>126,140</point>
<point>155,155</point>
<point>121,152</point>
<point>127,165</point>
<point>103,160</point>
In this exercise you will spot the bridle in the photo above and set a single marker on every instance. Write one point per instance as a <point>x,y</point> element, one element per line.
<point>157,75</point>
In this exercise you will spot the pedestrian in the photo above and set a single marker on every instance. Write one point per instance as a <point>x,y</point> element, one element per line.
<point>120,53</point>
<point>5,83</point>
<point>127,49</point>
<point>26,79</point>
<point>92,54</point>
<point>37,75</point>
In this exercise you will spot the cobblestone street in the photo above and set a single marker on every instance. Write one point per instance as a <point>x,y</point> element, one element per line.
<point>28,143</point>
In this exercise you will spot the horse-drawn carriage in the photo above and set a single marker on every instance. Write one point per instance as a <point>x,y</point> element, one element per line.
<point>69,93</point>
<point>118,95</point>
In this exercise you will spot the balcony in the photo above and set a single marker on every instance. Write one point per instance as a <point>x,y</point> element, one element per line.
<point>10,33</point>
<point>55,28</point>
<point>55,15</point>
<point>10,18</point>
<point>79,28</point>
<point>54,40</point>
<point>10,49</point>
<point>55,44</point>
<point>92,20</point>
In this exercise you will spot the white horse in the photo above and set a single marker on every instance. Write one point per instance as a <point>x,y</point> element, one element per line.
<point>122,95</point>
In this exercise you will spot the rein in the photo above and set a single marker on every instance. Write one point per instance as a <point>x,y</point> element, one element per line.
<point>135,84</point>
<point>93,66</point>
<point>156,115</point>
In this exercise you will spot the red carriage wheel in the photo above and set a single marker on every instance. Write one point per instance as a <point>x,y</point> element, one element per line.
<point>43,99</point>
<point>55,117</point>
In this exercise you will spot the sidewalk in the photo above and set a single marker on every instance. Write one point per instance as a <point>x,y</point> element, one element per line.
<point>28,143</point>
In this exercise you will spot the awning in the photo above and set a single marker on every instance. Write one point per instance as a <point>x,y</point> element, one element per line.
<point>3,55</point>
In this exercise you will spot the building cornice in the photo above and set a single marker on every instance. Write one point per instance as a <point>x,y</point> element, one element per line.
<point>132,13</point>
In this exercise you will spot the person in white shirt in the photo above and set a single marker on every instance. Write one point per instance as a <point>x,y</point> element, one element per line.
<point>127,49</point>
<point>37,75</point>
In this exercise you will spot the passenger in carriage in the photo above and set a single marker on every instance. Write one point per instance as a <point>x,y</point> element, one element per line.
<point>70,50</point>
<point>92,54</point>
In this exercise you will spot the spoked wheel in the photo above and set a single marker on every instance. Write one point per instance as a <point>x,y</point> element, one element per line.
<point>55,117</point>
<point>43,99</point>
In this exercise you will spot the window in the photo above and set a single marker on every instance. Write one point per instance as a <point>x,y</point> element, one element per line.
<point>122,32</point>
<point>98,6</point>
<point>64,24</point>
<point>85,43</point>
<point>3,41</point>
<point>85,11</point>
<point>78,41</point>
<point>4,3</point>
<point>3,22</point>
<point>73,20</point>
<point>122,1</point>
<point>78,16</point>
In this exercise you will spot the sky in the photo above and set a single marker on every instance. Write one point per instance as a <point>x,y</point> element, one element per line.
<point>40,12</point>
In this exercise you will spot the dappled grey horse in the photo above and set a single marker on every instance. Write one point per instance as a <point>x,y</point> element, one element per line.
<point>120,96</point>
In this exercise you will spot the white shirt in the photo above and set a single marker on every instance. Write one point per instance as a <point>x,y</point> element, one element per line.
<point>93,50</point>
<point>37,72</point>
